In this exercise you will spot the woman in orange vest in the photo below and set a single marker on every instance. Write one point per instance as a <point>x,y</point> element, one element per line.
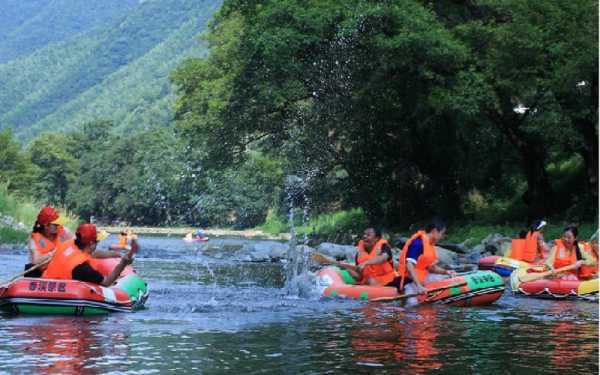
<point>532,247</point>
<point>567,251</point>
<point>418,259</point>
<point>374,260</point>
<point>48,233</point>
<point>71,261</point>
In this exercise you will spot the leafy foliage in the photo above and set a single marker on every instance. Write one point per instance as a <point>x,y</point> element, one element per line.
<point>414,103</point>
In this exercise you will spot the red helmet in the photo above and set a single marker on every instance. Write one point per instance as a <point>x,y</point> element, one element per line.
<point>88,234</point>
<point>47,215</point>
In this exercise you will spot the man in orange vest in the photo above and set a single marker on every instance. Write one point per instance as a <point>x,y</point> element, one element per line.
<point>48,233</point>
<point>418,259</point>
<point>71,261</point>
<point>374,261</point>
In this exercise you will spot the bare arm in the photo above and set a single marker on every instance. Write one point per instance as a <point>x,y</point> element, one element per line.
<point>549,263</point>
<point>376,260</point>
<point>100,254</point>
<point>35,257</point>
<point>410,267</point>
<point>126,260</point>
<point>439,270</point>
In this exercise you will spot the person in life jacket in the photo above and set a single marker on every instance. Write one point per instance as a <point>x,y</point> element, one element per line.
<point>48,233</point>
<point>374,260</point>
<point>589,272</point>
<point>418,259</point>
<point>71,261</point>
<point>567,251</point>
<point>124,238</point>
<point>531,248</point>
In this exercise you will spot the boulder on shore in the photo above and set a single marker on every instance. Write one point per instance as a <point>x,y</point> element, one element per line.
<point>339,252</point>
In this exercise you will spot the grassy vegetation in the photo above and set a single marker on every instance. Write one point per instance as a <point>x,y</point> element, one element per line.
<point>474,233</point>
<point>337,225</point>
<point>10,235</point>
<point>24,211</point>
<point>341,225</point>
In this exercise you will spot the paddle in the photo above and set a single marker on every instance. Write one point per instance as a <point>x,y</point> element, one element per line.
<point>322,259</point>
<point>33,268</point>
<point>533,276</point>
<point>403,296</point>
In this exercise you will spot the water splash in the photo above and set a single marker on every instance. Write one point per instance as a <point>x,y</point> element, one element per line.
<point>296,188</point>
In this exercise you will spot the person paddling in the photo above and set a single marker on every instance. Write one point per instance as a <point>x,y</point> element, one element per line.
<point>71,261</point>
<point>374,261</point>
<point>590,272</point>
<point>567,251</point>
<point>48,233</point>
<point>418,259</point>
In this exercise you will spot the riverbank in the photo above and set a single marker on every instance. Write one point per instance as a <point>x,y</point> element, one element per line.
<point>18,214</point>
<point>182,231</point>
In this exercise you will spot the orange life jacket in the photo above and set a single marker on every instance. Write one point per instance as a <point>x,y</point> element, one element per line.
<point>564,257</point>
<point>383,273</point>
<point>122,240</point>
<point>517,247</point>
<point>43,245</point>
<point>526,249</point>
<point>588,272</point>
<point>65,259</point>
<point>425,260</point>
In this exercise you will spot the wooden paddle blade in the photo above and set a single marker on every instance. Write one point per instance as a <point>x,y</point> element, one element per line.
<point>533,276</point>
<point>322,259</point>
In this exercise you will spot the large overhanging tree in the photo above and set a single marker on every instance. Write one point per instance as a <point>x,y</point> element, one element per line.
<point>402,96</point>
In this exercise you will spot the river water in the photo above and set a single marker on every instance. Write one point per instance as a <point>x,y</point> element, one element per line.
<point>211,316</point>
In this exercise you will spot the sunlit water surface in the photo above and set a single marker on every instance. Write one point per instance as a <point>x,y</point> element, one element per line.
<point>214,315</point>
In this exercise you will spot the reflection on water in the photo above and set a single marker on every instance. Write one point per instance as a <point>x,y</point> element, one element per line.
<point>210,314</point>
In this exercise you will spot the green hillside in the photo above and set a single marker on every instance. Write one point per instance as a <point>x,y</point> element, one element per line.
<point>28,25</point>
<point>117,72</point>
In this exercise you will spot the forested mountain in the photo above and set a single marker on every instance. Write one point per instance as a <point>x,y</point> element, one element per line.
<point>117,71</point>
<point>28,25</point>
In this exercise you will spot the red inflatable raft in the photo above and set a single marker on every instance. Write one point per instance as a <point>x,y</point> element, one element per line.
<point>477,288</point>
<point>555,288</point>
<point>72,297</point>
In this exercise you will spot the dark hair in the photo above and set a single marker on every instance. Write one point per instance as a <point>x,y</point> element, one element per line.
<point>435,223</point>
<point>534,226</point>
<point>523,234</point>
<point>78,242</point>
<point>573,229</point>
<point>37,227</point>
<point>376,230</point>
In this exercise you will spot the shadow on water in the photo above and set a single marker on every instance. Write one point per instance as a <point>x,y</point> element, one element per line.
<point>209,314</point>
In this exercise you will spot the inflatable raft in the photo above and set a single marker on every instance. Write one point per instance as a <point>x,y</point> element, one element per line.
<point>72,297</point>
<point>555,288</point>
<point>476,288</point>
<point>503,266</point>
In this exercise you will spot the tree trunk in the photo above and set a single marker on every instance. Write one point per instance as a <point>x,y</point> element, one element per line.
<point>539,195</point>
